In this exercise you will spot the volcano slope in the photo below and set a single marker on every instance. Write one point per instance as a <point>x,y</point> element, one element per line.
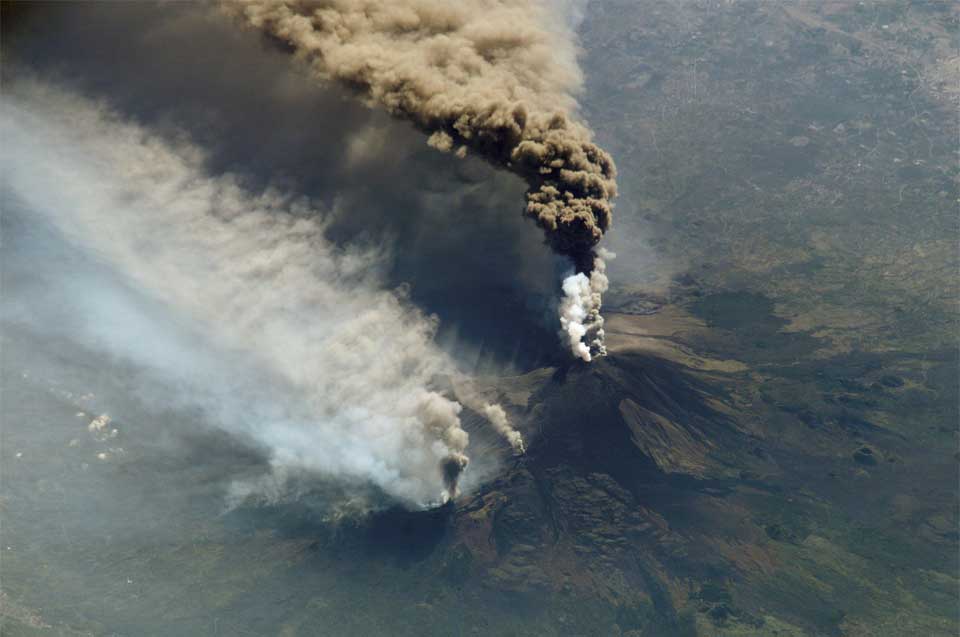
<point>664,492</point>
<point>680,496</point>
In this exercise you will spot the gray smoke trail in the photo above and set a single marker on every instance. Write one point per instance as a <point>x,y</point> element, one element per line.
<point>494,77</point>
<point>501,424</point>
<point>251,316</point>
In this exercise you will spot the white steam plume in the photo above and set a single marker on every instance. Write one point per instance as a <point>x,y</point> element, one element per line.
<point>580,318</point>
<point>250,315</point>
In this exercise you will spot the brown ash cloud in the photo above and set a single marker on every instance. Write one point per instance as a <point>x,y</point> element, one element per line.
<point>494,78</point>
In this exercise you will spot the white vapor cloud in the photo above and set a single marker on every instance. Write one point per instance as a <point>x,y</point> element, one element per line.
<point>233,301</point>
<point>581,323</point>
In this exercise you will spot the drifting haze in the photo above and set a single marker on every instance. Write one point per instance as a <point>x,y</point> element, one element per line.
<point>254,318</point>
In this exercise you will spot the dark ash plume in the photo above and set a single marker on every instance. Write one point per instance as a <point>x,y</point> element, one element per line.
<point>489,77</point>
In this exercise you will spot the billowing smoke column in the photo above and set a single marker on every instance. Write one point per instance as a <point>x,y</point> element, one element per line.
<point>495,77</point>
<point>441,418</point>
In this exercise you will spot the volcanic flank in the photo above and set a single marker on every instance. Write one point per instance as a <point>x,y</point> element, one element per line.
<point>489,77</point>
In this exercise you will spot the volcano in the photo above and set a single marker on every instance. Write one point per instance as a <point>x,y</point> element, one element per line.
<point>249,318</point>
<point>655,496</point>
